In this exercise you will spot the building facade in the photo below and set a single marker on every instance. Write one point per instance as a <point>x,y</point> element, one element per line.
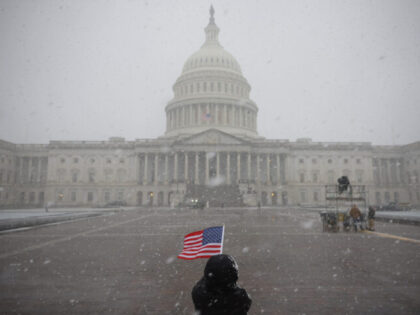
<point>210,151</point>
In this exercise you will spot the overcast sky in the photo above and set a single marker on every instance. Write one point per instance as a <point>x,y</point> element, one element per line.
<point>328,70</point>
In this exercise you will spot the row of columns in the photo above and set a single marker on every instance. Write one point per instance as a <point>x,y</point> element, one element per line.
<point>389,171</point>
<point>31,169</point>
<point>220,114</point>
<point>268,173</point>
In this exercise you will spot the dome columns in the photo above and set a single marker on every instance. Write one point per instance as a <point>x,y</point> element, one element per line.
<point>201,116</point>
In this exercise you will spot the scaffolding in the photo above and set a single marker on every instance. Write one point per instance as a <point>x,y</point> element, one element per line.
<point>338,204</point>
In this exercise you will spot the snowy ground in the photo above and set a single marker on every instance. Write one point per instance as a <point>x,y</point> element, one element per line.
<point>126,263</point>
<point>8,214</point>
<point>30,213</point>
<point>413,215</point>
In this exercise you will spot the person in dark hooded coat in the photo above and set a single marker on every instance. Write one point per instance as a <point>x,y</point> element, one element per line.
<point>217,291</point>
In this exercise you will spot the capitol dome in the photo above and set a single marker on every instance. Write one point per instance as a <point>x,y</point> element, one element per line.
<point>211,92</point>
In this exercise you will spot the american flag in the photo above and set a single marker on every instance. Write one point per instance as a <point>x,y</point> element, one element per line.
<point>206,116</point>
<point>203,244</point>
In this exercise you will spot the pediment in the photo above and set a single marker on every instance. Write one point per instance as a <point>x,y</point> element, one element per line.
<point>213,136</point>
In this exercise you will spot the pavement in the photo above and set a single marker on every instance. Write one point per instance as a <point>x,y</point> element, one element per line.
<point>11,219</point>
<point>124,262</point>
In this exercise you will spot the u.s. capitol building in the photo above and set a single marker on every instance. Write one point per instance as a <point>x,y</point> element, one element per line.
<point>211,151</point>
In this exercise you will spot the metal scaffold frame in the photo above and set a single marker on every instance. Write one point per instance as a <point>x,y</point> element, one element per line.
<point>338,203</point>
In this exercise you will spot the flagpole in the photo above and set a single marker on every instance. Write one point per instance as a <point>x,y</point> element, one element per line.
<point>223,236</point>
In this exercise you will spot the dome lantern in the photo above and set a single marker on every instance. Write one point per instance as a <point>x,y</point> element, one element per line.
<point>212,31</point>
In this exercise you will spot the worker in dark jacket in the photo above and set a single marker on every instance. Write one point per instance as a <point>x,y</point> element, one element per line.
<point>217,291</point>
<point>343,184</point>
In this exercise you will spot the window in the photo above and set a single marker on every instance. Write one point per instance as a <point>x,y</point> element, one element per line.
<point>378,198</point>
<point>301,161</point>
<point>387,197</point>
<point>63,160</point>
<point>90,196</point>
<point>315,177</point>
<point>346,161</point>
<point>314,161</point>
<point>330,175</point>
<point>329,161</point>
<point>107,196</point>
<point>397,196</point>
<point>61,174</point>
<point>303,196</point>
<point>75,160</point>
<point>120,195</point>
<point>108,175</point>
<point>358,161</point>
<point>109,161</point>
<point>74,176</point>
<point>73,196</point>
<point>91,176</point>
<point>31,196</point>
<point>302,177</point>
<point>316,196</point>
<point>359,176</point>
<point>92,160</point>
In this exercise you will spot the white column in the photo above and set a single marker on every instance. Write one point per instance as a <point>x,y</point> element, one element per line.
<point>207,169</point>
<point>258,169</point>
<point>268,168</point>
<point>191,122</point>
<point>196,169</point>
<point>249,167</point>
<point>176,167</point>
<point>238,164</point>
<point>278,168</point>
<point>156,168</point>
<point>145,177</point>
<point>166,169</point>
<point>186,167</point>
<point>228,167</point>
<point>207,120</point>
<point>217,163</point>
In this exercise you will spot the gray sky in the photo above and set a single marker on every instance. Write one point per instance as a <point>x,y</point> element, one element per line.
<point>329,70</point>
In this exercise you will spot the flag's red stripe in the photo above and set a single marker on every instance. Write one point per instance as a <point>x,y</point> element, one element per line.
<point>193,244</point>
<point>204,246</point>
<point>194,233</point>
<point>201,250</point>
<point>213,250</point>
<point>199,255</point>
<point>194,241</point>
<point>191,258</point>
